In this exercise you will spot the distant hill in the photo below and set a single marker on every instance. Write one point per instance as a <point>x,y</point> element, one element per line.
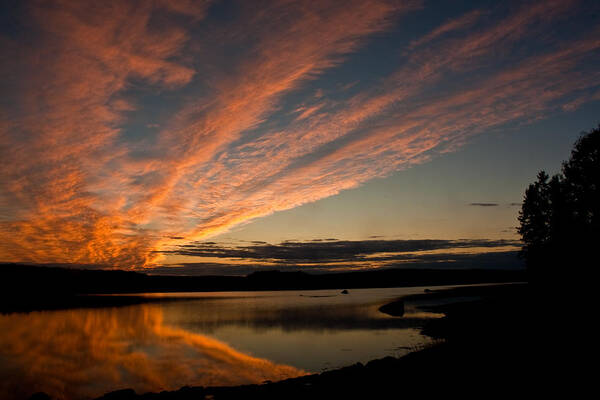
<point>36,287</point>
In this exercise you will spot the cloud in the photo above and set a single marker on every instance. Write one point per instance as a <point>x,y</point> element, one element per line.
<point>59,137</point>
<point>100,217</point>
<point>456,24</point>
<point>84,181</point>
<point>340,255</point>
<point>484,204</point>
<point>342,148</point>
<point>305,112</point>
<point>317,251</point>
<point>453,261</point>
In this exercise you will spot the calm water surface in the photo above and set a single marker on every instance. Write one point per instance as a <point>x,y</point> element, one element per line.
<point>222,338</point>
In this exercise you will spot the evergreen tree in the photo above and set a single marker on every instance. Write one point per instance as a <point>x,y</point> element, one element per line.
<point>559,218</point>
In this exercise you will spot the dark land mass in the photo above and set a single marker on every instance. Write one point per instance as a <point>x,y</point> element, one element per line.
<point>29,288</point>
<point>484,352</point>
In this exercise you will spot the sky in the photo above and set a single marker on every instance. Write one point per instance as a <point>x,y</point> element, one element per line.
<point>209,137</point>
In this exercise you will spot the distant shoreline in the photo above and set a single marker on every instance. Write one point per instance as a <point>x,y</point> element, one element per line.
<point>29,288</point>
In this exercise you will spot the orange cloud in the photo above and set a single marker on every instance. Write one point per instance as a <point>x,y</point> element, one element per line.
<point>281,170</point>
<point>62,128</point>
<point>460,23</point>
<point>76,188</point>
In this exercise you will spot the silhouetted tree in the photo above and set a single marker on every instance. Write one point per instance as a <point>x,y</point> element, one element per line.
<point>559,218</point>
<point>534,219</point>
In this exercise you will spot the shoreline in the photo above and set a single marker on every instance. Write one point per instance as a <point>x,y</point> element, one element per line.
<point>18,302</point>
<point>483,343</point>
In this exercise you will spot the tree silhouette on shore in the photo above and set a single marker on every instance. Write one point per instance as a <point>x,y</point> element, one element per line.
<point>559,218</point>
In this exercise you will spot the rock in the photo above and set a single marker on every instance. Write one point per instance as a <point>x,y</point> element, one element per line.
<point>395,309</point>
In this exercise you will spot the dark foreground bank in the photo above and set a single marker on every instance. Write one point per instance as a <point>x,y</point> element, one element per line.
<point>484,352</point>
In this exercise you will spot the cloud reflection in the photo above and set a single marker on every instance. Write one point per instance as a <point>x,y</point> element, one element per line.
<point>84,353</point>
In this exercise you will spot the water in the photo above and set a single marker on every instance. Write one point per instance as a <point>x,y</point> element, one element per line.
<point>222,338</point>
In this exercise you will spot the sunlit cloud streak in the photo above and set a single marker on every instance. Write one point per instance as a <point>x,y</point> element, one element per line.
<point>452,25</point>
<point>246,138</point>
<point>341,149</point>
<point>61,129</point>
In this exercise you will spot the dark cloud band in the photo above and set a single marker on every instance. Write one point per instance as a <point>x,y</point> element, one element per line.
<point>329,251</point>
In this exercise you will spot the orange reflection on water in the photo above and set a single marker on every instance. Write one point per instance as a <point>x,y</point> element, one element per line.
<point>79,354</point>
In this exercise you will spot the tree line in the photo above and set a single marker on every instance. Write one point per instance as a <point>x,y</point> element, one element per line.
<point>559,217</point>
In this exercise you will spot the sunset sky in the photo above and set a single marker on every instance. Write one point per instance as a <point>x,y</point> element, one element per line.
<point>196,137</point>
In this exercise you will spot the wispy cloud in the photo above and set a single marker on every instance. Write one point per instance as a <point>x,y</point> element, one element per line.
<point>456,24</point>
<point>80,184</point>
<point>59,134</point>
<point>391,127</point>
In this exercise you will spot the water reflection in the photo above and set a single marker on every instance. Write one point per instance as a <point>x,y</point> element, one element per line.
<point>163,344</point>
<point>294,311</point>
<point>312,330</point>
<point>84,353</point>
